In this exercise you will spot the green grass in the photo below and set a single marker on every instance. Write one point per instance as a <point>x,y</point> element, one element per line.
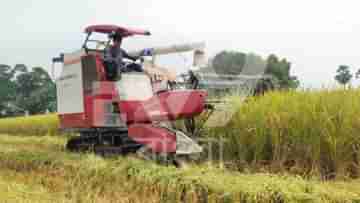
<point>54,173</point>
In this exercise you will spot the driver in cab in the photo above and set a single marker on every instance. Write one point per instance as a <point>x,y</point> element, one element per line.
<point>114,57</point>
<point>114,62</point>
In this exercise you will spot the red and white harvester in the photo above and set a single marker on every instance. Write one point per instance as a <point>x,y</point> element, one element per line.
<point>128,114</point>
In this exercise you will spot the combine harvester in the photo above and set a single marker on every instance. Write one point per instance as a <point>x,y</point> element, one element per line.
<point>128,112</point>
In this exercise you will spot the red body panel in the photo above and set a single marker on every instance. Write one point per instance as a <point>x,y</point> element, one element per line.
<point>163,107</point>
<point>158,139</point>
<point>93,102</point>
<point>171,105</point>
<point>75,120</point>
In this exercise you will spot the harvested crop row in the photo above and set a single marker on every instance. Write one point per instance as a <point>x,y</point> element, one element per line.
<point>85,178</point>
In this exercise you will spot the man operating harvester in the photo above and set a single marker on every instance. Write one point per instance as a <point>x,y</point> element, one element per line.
<point>115,55</point>
<point>114,61</point>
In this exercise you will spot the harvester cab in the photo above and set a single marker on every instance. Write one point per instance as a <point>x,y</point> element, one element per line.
<point>124,113</point>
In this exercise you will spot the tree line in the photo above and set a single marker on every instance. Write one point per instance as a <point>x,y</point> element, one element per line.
<point>232,62</point>
<point>31,91</point>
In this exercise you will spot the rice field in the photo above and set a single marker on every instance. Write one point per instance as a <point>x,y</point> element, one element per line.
<point>283,147</point>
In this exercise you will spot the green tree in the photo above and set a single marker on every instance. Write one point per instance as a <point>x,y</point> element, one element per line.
<point>6,88</point>
<point>281,70</point>
<point>343,75</point>
<point>36,92</point>
<point>229,62</point>
<point>357,74</point>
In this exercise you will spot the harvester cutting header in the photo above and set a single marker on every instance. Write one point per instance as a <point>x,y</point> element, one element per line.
<point>119,102</point>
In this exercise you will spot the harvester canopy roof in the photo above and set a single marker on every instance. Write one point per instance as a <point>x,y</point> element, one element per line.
<point>108,29</point>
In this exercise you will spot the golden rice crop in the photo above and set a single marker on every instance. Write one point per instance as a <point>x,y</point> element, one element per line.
<point>32,125</point>
<point>305,132</point>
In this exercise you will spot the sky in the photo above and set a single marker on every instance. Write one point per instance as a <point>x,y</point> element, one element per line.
<point>315,36</point>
